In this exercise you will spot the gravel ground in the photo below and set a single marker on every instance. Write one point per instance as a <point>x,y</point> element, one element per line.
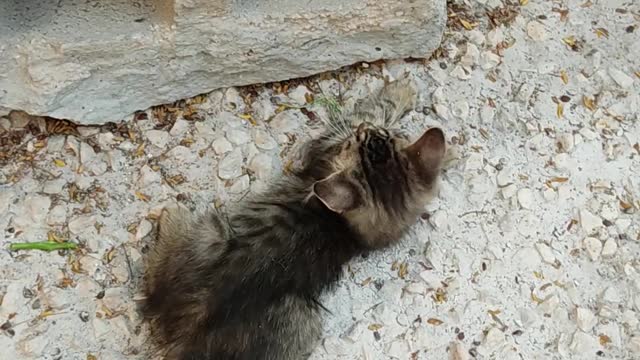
<point>531,251</point>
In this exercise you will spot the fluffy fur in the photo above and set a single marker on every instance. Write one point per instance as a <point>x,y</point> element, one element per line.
<point>246,286</point>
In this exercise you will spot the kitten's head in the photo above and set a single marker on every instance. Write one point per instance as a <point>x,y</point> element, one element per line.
<point>378,180</point>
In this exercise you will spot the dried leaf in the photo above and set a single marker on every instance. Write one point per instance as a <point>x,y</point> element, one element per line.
<point>588,103</point>
<point>637,74</point>
<point>139,150</point>
<point>524,2</point>
<point>374,327</point>
<point>59,163</point>
<point>625,205</point>
<point>176,180</point>
<point>249,118</point>
<point>587,4</point>
<point>109,255</point>
<point>403,270</point>
<point>535,298</point>
<point>365,282</point>
<point>604,339</point>
<point>467,25</point>
<point>91,357</point>
<point>142,196</point>
<point>434,321</point>
<point>308,97</point>
<point>538,275</point>
<point>602,32</point>
<point>440,296</point>
<point>560,110</point>
<point>564,77</point>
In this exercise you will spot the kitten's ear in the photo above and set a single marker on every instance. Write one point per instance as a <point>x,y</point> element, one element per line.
<point>337,193</point>
<point>428,151</point>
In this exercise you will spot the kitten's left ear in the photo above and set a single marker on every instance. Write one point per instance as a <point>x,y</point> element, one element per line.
<point>337,193</point>
<point>428,151</point>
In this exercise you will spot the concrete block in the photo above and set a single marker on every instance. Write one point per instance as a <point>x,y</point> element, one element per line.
<point>94,61</point>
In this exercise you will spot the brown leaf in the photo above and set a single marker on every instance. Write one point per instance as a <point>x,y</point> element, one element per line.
<point>434,321</point>
<point>59,163</point>
<point>142,196</point>
<point>374,327</point>
<point>365,282</point>
<point>560,110</point>
<point>602,32</point>
<point>588,103</point>
<point>564,77</point>
<point>604,339</point>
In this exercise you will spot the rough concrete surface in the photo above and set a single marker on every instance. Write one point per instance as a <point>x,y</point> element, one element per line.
<point>98,61</point>
<point>531,250</point>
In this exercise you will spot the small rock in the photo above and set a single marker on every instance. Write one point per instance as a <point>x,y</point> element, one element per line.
<point>528,318</point>
<point>355,331</point>
<point>33,212</point>
<point>179,127</point>
<point>148,177</point>
<point>476,36</point>
<point>589,221</point>
<point>489,60</point>
<point>439,219</point>
<point>238,136</point>
<point>609,212</point>
<point>460,109</point>
<point>475,161</point>
<point>144,228</point>
<point>398,349</point>
<point>460,73</point>
<point>261,165</point>
<point>53,186</point>
<point>264,141</point>
<point>471,56</point>
<point>55,144</point>
<point>527,258</point>
<point>241,185</point>
<point>549,304</point>
<point>611,295</point>
<point>585,319</point>
<point>286,121</point>
<point>566,142</point>
<point>546,253</point>
<point>86,131</point>
<point>593,247</point>
<point>525,198</point>
<point>492,341</point>
<point>457,351</point>
<point>536,31</point>
<point>231,166</point>
<point>158,138</point>
<point>221,146</point>
<point>509,191</point>
<point>442,111</point>
<point>82,224</point>
<point>335,346</point>
<point>634,344</point>
<point>625,81</point>
<point>583,343</point>
<point>57,215</point>
<point>494,37</point>
<point>416,288</point>
<point>297,95</point>
<point>84,316</point>
<point>609,249</point>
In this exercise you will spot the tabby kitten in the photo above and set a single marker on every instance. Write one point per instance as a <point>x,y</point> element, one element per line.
<point>246,287</point>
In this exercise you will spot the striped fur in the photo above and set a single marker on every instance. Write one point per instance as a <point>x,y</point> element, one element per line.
<point>247,288</point>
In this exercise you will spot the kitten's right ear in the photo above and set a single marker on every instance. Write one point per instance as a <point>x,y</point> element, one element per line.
<point>428,151</point>
<point>337,193</point>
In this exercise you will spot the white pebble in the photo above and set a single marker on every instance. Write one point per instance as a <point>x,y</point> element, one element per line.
<point>611,295</point>
<point>625,81</point>
<point>546,253</point>
<point>593,247</point>
<point>238,136</point>
<point>583,343</point>
<point>525,198</point>
<point>398,349</point>
<point>221,146</point>
<point>492,341</point>
<point>489,60</point>
<point>471,56</point>
<point>585,319</point>
<point>231,166</point>
<point>82,224</point>
<point>144,228</point>
<point>179,127</point>
<point>261,165</point>
<point>158,138</point>
<point>509,191</point>
<point>241,185</point>
<point>263,140</point>
<point>589,221</point>
<point>609,212</point>
<point>609,249</point>
<point>536,31</point>
<point>457,351</point>
<point>460,109</point>
<point>439,219</point>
